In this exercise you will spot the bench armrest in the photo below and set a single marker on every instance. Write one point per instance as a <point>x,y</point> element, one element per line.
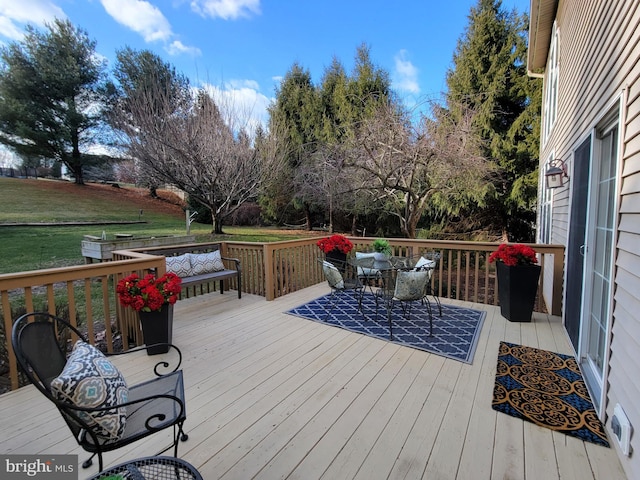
<point>235,260</point>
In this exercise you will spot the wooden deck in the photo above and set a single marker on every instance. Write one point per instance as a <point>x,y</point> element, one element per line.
<point>272,396</point>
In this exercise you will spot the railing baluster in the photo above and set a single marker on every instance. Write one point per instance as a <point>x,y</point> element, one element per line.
<point>89,309</point>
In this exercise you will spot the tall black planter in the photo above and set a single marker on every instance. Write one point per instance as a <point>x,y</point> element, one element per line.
<point>157,327</point>
<point>517,288</point>
<point>337,258</point>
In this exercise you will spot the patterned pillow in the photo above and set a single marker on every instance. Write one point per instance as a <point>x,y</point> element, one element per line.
<point>333,275</point>
<point>410,285</point>
<point>425,264</point>
<point>89,379</point>
<point>206,262</point>
<point>180,265</point>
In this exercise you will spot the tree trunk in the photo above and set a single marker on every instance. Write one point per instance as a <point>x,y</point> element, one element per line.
<point>77,175</point>
<point>411,224</point>
<point>307,217</point>
<point>217,223</point>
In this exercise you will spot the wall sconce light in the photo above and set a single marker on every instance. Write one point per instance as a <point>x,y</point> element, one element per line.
<point>556,173</point>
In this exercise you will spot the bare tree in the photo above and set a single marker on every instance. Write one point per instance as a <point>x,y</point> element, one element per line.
<point>184,138</point>
<point>405,166</point>
<point>197,150</point>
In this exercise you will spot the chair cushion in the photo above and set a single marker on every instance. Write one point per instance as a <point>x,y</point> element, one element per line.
<point>334,277</point>
<point>410,285</point>
<point>89,379</point>
<point>366,271</point>
<point>180,265</point>
<point>206,262</point>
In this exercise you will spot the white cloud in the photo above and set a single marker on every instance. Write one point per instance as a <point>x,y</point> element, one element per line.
<point>15,14</point>
<point>146,19</point>
<point>177,47</point>
<point>141,17</point>
<point>240,84</point>
<point>226,9</point>
<point>242,102</point>
<point>405,75</point>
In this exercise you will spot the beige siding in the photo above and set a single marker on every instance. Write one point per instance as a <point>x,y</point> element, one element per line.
<point>599,54</point>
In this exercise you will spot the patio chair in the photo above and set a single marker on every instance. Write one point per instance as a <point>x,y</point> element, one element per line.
<point>341,285</point>
<point>102,412</point>
<point>428,263</point>
<point>365,263</point>
<point>411,286</point>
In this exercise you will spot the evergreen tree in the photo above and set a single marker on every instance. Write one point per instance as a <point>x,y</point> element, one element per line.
<point>489,77</point>
<point>333,95</point>
<point>51,95</point>
<point>309,124</point>
<point>294,122</point>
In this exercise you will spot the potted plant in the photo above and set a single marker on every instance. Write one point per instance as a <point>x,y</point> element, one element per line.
<point>382,248</point>
<point>153,298</point>
<point>518,273</point>
<point>336,247</point>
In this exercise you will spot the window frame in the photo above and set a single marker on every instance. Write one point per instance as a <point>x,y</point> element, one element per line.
<point>546,210</point>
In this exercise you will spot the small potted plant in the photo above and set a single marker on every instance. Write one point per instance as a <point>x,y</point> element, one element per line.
<point>153,298</point>
<point>382,249</point>
<point>518,273</point>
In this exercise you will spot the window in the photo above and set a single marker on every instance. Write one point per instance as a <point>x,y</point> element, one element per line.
<point>546,197</point>
<point>550,108</point>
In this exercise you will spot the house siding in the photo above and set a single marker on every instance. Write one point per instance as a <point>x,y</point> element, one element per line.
<point>599,64</point>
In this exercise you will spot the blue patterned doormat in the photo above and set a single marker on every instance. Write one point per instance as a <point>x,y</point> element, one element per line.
<point>546,388</point>
<point>455,334</point>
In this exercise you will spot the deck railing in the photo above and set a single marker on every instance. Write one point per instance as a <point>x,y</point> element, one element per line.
<point>463,271</point>
<point>85,293</point>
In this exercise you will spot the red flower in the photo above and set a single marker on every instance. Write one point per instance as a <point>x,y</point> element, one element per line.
<point>149,293</point>
<point>335,242</point>
<point>516,254</point>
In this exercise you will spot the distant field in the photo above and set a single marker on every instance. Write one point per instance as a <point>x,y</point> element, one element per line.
<point>28,200</point>
<point>25,248</point>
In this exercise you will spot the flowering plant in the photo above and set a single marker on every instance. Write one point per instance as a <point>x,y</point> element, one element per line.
<point>335,242</point>
<point>149,293</point>
<point>516,254</point>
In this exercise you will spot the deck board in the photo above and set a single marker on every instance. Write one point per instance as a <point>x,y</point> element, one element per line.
<point>270,395</point>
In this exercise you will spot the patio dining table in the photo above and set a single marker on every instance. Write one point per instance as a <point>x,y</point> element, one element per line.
<point>382,274</point>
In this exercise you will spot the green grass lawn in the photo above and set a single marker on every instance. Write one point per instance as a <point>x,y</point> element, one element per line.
<point>25,248</point>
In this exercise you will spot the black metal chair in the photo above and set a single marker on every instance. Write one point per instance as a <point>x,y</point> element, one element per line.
<point>341,283</point>
<point>411,286</point>
<point>428,262</point>
<point>41,343</point>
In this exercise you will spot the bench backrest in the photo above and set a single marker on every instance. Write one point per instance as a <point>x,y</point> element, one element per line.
<point>174,250</point>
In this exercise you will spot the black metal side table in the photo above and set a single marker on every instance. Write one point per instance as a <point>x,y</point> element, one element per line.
<point>157,468</point>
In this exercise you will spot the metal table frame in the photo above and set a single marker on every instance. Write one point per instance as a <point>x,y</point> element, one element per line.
<point>157,468</point>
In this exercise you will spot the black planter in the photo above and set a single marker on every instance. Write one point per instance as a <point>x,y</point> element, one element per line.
<point>338,259</point>
<point>517,288</point>
<point>157,327</point>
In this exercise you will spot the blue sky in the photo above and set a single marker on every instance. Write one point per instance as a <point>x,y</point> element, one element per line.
<point>242,48</point>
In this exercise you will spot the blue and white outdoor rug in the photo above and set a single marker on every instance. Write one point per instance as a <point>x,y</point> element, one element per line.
<point>455,334</point>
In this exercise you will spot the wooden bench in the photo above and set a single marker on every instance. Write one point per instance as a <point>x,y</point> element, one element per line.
<point>232,265</point>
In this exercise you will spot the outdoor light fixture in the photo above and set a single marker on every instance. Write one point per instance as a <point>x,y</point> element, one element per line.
<point>556,173</point>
